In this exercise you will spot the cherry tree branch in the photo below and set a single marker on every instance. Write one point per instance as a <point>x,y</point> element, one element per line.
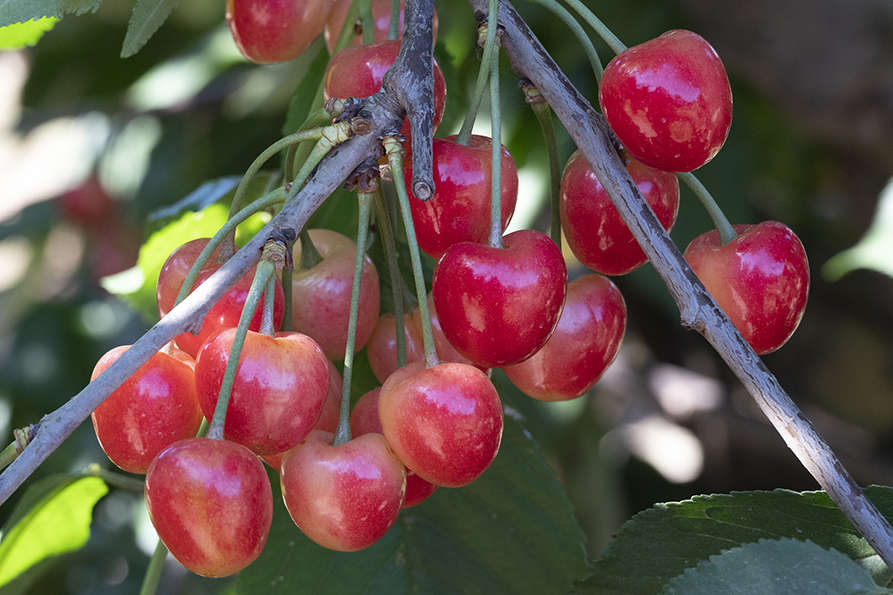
<point>697,308</point>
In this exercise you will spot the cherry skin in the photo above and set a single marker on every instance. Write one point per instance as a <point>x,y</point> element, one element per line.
<point>228,309</point>
<point>445,422</point>
<point>343,497</point>
<point>760,280</point>
<point>279,390</point>
<point>584,344</point>
<point>88,205</point>
<point>382,346</point>
<point>358,71</point>
<point>594,229</point>
<point>321,295</point>
<point>498,306</point>
<point>154,408</point>
<point>668,101</point>
<point>381,16</point>
<point>459,210</point>
<point>211,504</point>
<point>269,31</point>
<point>363,420</point>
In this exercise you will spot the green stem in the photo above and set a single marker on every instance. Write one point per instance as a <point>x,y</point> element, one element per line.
<point>593,21</point>
<point>310,256</point>
<point>390,250</point>
<point>153,572</point>
<point>490,48</point>
<point>261,203</point>
<point>726,232</point>
<point>368,22</point>
<point>331,137</point>
<point>577,30</point>
<point>496,147</point>
<point>544,115</point>
<point>267,325</point>
<point>265,269</point>
<point>394,24</point>
<point>118,480</point>
<point>342,432</point>
<point>287,313</point>
<point>394,151</point>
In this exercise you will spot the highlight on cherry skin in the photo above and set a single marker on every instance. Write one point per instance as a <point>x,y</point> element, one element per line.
<point>270,31</point>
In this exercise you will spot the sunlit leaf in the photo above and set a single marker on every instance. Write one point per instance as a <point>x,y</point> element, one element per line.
<point>148,16</point>
<point>19,11</point>
<point>874,249</point>
<point>25,34</point>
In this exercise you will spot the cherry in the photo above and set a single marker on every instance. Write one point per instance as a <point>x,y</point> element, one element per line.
<point>151,410</point>
<point>444,422</point>
<point>321,295</point>
<point>668,101</point>
<point>343,497</point>
<point>498,306</point>
<point>88,205</point>
<point>760,280</point>
<point>358,71</point>
<point>268,31</point>
<point>459,210</point>
<point>382,346</point>
<point>594,229</point>
<point>363,420</point>
<point>584,343</point>
<point>211,504</point>
<point>226,312</point>
<point>381,16</point>
<point>279,390</point>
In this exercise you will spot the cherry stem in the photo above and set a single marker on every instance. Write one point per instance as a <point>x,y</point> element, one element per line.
<point>386,229</point>
<point>310,256</point>
<point>23,437</point>
<point>317,119</point>
<point>116,479</point>
<point>727,233</point>
<point>265,269</point>
<point>342,432</point>
<point>544,115</point>
<point>153,572</point>
<point>264,202</point>
<point>572,24</point>
<point>331,137</point>
<point>368,23</point>
<point>490,47</point>
<point>394,150</point>
<point>267,325</point>
<point>394,24</point>
<point>593,21</point>
<point>496,140</point>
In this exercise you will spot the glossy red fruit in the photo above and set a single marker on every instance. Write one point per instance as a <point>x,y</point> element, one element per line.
<point>269,31</point>
<point>445,423</point>
<point>381,16</point>
<point>497,306</point>
<point>445,350</point>
<point>154,408</point>
<point>363,420</point>
<point>358,71</point>
<point>584,344</point>
<point>279,390</point>
<point>321,295</point>
<point>382,346</point>
<point>668,101</point>
<point>459,210</point>
<point>343,497</point>
<point>228,309</point>
<point>760,279</point>
<point>595,232</point>
<point>211,504</point>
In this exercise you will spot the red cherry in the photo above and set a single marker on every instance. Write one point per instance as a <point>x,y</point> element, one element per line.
<point>584,343</point>
<point>497,306</point>
<point>363,420</point>
<point>228,309</point>
<point>358,71</point>
<point>668,101</point>
<point>268,31</point>
<point>760,279</point>
<point>381,16</point>
<point>279,390</point>
<point>321,295</point>
<point>343,497</point>
<point>459,210</point>
<point>211,504</point>
<point>88,205</point>
<point>382,346</point>
<point>154,408</point>
<point>445,423</point>
<point>595,232</point>
<point>445,350</point>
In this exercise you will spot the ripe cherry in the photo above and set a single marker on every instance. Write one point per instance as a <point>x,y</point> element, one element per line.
<point>760,279</point>
<point>154,408</point>
<point>584,344</point>
<point>268,31</point>
<point>668,101</point>
<point>343,497</point>
<point>382,346</point>
<point>211,504</point>
<point>459,210</point>
<point>595,232</point>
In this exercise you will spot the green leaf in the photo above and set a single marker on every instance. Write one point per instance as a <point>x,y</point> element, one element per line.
<point>19,11</point>
<point>56,522</point>
<point>873,250</point>
<point>512,531</point>
<point>660,543</point>
<point>148,16</point>
<point>25,34</point>
<point>776,567</point>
